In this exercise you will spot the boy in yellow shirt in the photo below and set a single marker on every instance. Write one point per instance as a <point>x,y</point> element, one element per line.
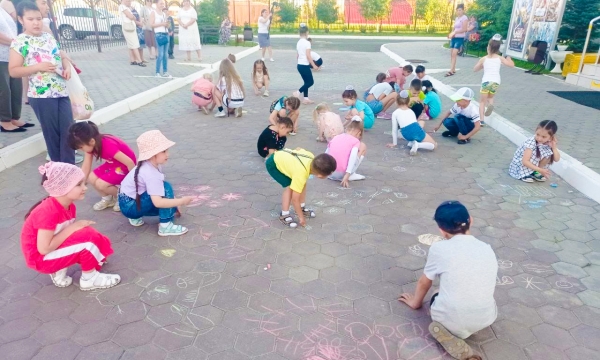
<point>291,169</point>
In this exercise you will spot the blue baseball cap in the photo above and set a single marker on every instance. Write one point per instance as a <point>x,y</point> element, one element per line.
<point>452,216</point>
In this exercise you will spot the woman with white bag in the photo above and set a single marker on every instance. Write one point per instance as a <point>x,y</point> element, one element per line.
<point>128,22</point>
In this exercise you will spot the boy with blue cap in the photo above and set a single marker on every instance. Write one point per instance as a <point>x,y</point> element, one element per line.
<point>465,121</point>
<point>467,268</point>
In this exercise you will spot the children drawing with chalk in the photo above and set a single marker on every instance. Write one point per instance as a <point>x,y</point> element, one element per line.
<point>348,152</point>
<point>396,76</point>
<point>144,191</point>
<point>465,122</point>
<point>202,96</point>
<point>404,119</point>
<point>51,239</point>
<point>420,73</point>
<point>417,97</point>
<point>119,160</point>
<point>329,124</point>
<point>229,93</point>
<point>432,102</point>
<point>291,169</point>
<point>260,78</point>
<point>491,64</point>
<point>285,107</point>
<point>357,108</point>
<point>273,138</point>
<point>532,159</point>
<point>380,97</point>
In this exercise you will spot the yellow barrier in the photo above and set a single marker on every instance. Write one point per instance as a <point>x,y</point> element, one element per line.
<point>571,65</point>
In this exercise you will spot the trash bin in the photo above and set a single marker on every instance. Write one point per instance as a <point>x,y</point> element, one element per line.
<point>248,35</point>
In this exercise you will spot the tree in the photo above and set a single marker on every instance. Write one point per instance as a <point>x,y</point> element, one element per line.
<point>288,12</point>
<point>326,12</point>
<point>432,11</point>
<point>576,19</point>
<point>212,12</point>
<point>493,17</point>
<point>375,10</point>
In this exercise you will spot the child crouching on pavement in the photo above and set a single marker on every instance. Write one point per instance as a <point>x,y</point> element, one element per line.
<point>348,152</point>
<point>466,122</point>
<point>202,90</point>
<point>291,169</point>
<point>273,138</point>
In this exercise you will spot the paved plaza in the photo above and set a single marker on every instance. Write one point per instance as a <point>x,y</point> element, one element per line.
<point>240,285</point>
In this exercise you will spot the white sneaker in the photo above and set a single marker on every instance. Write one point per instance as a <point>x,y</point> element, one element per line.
<point>157,75</point>
<point>171,230</point>
<point>266,93</point>
<point>414,148</point>
<point>263,59</point>
<point>221,114</point>
<point>61,279</point>
<point>238,112</point>
<point>356,177</point>
<point>104,204</point>
<point>166,75</point>
<point>271,59</point>
<point>410,143</point>
<point>136,222</point>
<point>117,207</point>
<point>48,157</point>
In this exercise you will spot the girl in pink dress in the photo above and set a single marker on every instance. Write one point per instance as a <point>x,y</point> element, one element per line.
<point>118,156</point>
<point>329,124</point>
<point>202,96</point>
<point>348,152</point>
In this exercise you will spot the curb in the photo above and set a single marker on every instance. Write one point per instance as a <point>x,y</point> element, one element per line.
<point>357,37</point>
<point>32,146</point>
<point>570,169</point>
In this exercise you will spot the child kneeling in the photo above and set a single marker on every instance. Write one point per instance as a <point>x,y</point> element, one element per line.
<point>536,154</point>
<point>144,191</point>
<point>466,122</point>
<point>202,97</point>
<point>348,152</point>
<point>273,138</point>
<point>411,130</point>
<point>291,169</point>
<point>52,240</point>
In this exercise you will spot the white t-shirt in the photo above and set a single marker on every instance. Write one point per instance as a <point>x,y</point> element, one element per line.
<point>471,111</point>
<point>314,55</point>
<point>381,88</point>
<point>301,47</point>
<point>263,27</point>
<point>491,70</point>
<point>425,77</point>
<point>401,118</point>
<point>467,268</point>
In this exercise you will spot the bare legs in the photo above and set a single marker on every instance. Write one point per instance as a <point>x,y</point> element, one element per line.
<point>389,100</point>
<point>199,53</point>
<point>103,188</point>
<point>134,55</point>
<point>453,56</point>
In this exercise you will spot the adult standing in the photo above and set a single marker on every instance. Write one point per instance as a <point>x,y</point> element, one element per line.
<point>457,36</point>
<point>305,64</point>
<point>159,23</point>
<point>225,31</point>
<point>11,89</point>
<point>471,34</point>
<point>130,33</point>
<point>139,29</point>
<point>264,39</point>
<point>149,36</point>
<point>189,36</point>
<point>9,7</point>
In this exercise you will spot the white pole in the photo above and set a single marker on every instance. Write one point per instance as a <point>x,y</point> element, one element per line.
<point>587,41</point>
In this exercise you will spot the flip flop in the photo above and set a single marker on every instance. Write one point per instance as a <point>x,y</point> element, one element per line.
<point>449,73</point>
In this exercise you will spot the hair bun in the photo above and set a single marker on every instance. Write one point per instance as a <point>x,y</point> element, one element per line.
<point>349,87</point>
<point>497,37</point>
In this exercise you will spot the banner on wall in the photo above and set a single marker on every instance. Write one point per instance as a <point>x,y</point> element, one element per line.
<point>533,20</point>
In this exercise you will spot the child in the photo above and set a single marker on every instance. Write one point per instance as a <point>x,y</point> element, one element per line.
<point>417,96</point>
<point>348,152</point>
<point>420,72</point>
<point>230,91</point>
<point>119,157</point>
<point>285,107</point>
<point>465,123</point>
<point>491,75</point>
<point>467,269</point>
<point>231,58</point>
<point>273,138</point>
<point>305,65</point>
<point>144,191</point>
<point>203,89</point>
<point>316,57</point>
<point>260,78</point>
<point>533,157</point>
<point>396,76</point>
<point>380,97</point>
<point>432,102</point>
<point>35,54</point>
<point>51,239</point>
<point>329,124</point>
<point>410,129</point>
<point>357,107</point>
<point>291,169</point>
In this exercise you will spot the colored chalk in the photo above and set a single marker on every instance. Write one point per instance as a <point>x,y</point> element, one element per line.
<point>268,266</point>
<point>345,108</point>
<point>554,185</point>
<point>338,104</point>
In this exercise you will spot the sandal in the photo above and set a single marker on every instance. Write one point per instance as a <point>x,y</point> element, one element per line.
<point>133,63</point>
<point>60,278</point>
<point>457,348</point>
<point>171,230</point>
<point>99,281</point>
<point>141,64</point>
<point>104,204</point>
<point>449,73</point>
<point>288,220</point>
<point>308,213</point>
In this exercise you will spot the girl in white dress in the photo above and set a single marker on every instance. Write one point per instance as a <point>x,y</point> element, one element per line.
<point>189,36</point>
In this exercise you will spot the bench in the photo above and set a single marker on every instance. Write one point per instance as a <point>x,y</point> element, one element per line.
<point>208,30</point>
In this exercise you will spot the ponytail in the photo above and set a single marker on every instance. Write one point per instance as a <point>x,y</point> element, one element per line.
<point>138,201</point>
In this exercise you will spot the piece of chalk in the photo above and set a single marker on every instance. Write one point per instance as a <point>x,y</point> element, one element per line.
<point>554,185</point>
<point>268,266</point>
<point>265,269</point>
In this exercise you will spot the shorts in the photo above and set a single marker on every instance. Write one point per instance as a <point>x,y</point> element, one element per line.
<point>113,173</point>
<point>277,175</point>
<point>489,87</point>
<point>376,106</point>
<point>457,43</point>
<point>232,103</point>
<point>413,132</point>
<point>200,101</point>
<point>319,62</point>
<point>263,40</point>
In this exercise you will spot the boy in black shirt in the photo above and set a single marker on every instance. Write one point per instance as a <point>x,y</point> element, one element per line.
<point>273,138</point>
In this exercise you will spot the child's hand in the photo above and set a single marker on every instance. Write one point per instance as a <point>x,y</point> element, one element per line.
<point>409,300</point>
<point>186,200</point>
<point>462,137</point>
<point>435,129</point>
<point>553,143</point>
<point>80,224</point>
<point>545,172</point>
<point>391,146</point>
<point>67,73</point>
<point>345,182</point>
<point>46,67</point>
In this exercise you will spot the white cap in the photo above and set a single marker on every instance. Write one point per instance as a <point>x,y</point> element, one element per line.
<point>463,94</point>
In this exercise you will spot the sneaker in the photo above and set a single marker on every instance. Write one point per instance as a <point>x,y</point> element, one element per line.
<point>307,101</point>
<point>462,142</point>
<point>482,123</point>
<point>414,148</point>
<point>271,59</point>
<point>538,177</point>
<point>171,230</point>
<point>78,158</point>
<point>166,75</point>
<point>238,112</point>
<point>293,133</point>
<point>263,59</point>
<point>266,93</point>
<point>99,281</point>
<point>448,134</point>
<point>171,57</point>
<point>104,204</point>
<point>117,207</point>
<point>157,75</point>
<point>356,177</point>
<point>489,110</point>
<point>47,157</point>
<point>136,222</point>
<point>296,94</point>
<point>457,348</point>
<point>221,114</point>
<point>527,179</point>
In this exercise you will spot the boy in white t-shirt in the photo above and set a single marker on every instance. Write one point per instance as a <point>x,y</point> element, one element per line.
<point>316,57</point>
<point>465,122</point>
<point>467,268</point>
<point>380,97</point>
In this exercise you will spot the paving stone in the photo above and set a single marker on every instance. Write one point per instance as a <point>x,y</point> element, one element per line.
<point>18,329</point>
<point>241,320</point>
<point>217,339</point>
<point>398,276</point>
<point>253,284</point>
<point>582,353</point>
<point>203,317</point>
<point>513,332</point>
<point>306,248</point>
<point>539,351</point>
<point>372,307</point>
<point>558,317</point>
<point>334,249</point>
<point>286,287</point>
<point>553,336</point>
<point>520,313</point>
<point>300,305</point>
<point>319,289</point>
<point>569,270</point>
<point>65,349</point>
<point>352,290</point>
<point>335,274</point>
<point>102,351</point>
<point>188,353</point>
<point>255,343</point>
<point>127,313</point>
<point>55,310</point>
<point>335,306</point>
<point>349,261</point>
<point>55,331</point>
<point>363,249</point>
<point>590,297</point>
<point>587,336</point>
<point>501,350</point>
<point>230,299</point>
<point>149,352</point>
<point>265,302</point>
<point>291,259</point>
<point>21,349</point>
<point>319,261</point>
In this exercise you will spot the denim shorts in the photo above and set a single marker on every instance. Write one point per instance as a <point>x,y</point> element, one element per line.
<point>413,132</point>
<point>376,106</point>
<point>457,43</point>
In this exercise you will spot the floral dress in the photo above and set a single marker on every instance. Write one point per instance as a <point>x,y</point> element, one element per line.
<point>225,32</point>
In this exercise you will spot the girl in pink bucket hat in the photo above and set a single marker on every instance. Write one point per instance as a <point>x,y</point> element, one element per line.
<point>144,191</point>
<point>51,239</point>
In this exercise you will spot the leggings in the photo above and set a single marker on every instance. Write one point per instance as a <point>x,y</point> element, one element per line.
<point>307,77</point>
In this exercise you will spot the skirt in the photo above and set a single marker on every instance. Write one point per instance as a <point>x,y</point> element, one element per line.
<point>149,38</point>
<point>264,40</point>
<point>113,172</point>
<point>131,38</point>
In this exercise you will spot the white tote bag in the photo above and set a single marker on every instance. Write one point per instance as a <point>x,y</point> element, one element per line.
<point>81,103</point>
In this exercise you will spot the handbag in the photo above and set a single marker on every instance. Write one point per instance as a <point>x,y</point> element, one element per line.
<point>81,103</point>
<point>162,39</point>
<point>128,26</point>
